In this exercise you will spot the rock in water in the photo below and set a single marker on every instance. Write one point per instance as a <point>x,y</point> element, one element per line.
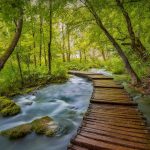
<point>8,107</point>
<point>43,126</point>
<point>17,132</point>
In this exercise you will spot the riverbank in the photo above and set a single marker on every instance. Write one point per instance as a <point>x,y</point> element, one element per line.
<point>35,84</point>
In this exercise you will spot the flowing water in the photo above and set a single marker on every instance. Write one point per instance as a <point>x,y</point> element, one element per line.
<point>65,103</point>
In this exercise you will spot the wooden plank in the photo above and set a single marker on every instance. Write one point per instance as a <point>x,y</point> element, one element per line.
<point>109,90</point>
<point>113,102</point>
<point>123,119</point>
<point>136,132</point>
<point>97,145</point>
<point>115,141</point>
<point>108,107</point>
<point>98,121</point>
<point>76,147</point>
<point>113,112</point>
<point>99,77</point>
<point>116,135</point>
<point>115,120</point>
<point>106,84</point>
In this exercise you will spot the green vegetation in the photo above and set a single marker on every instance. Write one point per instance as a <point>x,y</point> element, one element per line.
<point>8,107</point>
<point>41,40</point>
<point>39,126</point>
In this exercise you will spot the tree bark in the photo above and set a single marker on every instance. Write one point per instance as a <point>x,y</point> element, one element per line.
<point>103,55</point>
<point>34,43</point>
<point>85,56</point>
<point>45,57</point>
<point>68,38</point>
<point>136,44</point>
<point>28,66</point>
<point>19,66</point>
<point>80,52</point>
<point>50,38</point>
<point>135,79</point>
<point>9,51</point>
<point>41,36</point>
<point>63,45</point>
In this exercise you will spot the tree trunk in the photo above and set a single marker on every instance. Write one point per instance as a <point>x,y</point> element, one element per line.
<point>68,38</point>
<point>28,66</point>
<point>9,51</point>
<point>103,55</point>
<point>85,57</point>
<point>136,44</point>
<point>41,36</point>
<point>63,45</point>
<point>19,66</point>
<point>44,50</point>
<point>80,55</point>
<point>50,38</point>
<point>34,44</point>
<point>135,79</point>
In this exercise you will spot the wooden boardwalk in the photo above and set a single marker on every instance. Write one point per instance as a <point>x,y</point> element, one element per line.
<point>112,120</point>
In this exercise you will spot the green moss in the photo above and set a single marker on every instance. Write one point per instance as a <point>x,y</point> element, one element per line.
<point>10,111</point>
<point>39,126</point>
<point>8,107</point>
<point>17,132</point>
<point>4,102</point>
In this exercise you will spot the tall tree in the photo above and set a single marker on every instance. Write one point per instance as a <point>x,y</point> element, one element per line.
<point>13,44</point>
<point>134,77</point>
<point>41,36</point>
<point>136,43</point>
<point>50,38</point>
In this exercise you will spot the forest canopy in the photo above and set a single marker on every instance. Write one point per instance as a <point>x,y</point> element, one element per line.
<point>40,40</point>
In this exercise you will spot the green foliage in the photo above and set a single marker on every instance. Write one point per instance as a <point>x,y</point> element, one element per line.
<point>122,78</point>
<point>115,65</point>
<point>144,70</point>
<point>74,33</point>
<point>59,70</point>
<point>77,65</point>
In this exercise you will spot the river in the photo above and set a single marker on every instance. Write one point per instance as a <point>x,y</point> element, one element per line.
<point>65,103</point>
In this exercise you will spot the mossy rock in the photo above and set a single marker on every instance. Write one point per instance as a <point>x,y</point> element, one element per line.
<point>8,107</point>
<point>17,132</point>
<point>10,111</point>
<point>40,126</point>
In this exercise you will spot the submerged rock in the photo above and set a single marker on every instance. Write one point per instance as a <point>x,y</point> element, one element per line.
<point>43,126</point>
<point>8,107</point>
<point>17,132</point>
